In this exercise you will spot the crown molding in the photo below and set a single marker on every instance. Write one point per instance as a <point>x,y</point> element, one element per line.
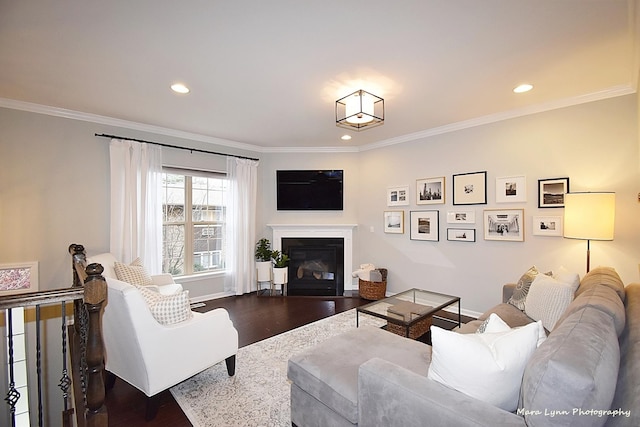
<point>505,115</point>
<point>126,124</point>
<point>466,124</point>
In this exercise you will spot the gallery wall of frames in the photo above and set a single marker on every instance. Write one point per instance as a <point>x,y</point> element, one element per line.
<point>464,221</point>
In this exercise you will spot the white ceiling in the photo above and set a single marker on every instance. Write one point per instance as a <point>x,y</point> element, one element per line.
<point>266,74</point>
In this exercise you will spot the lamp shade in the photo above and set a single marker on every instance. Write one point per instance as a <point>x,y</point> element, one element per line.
<point>589,216</point>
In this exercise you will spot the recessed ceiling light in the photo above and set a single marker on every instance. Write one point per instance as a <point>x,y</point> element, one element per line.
<point>179,88</point>
<point>525,87</point>
<point>345,137</point>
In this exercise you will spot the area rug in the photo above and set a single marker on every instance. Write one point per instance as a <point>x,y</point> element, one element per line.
<point>258,394</point>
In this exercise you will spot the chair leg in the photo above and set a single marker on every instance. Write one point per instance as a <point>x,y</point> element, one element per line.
<point>231,365</point>
<point>153,403</point>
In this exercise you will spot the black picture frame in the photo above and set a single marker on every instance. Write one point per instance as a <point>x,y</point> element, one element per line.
<point>551,192</point>
<point>470,188</point>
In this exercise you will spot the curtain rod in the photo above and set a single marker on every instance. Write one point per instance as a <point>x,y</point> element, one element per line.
<point>102,135</point>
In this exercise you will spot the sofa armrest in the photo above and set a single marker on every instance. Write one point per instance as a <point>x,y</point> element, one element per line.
<point>507,291</point>
<point>391,395</point>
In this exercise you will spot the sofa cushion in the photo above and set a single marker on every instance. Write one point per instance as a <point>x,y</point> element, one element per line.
<point>602,298</point>
<point>494,373</point>
<point>606,276</point>
<point>576,367</point>
<point>547,300</point>
<point>329,371</point>
<point>509,313</point>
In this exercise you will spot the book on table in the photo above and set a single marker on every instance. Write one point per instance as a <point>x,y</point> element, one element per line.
<point>407,308</point>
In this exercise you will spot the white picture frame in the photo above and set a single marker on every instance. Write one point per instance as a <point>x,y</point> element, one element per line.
<point>19,278</point>
<point>461,217</point>
<point>511,189</point>
<point>551,226</point>
<point>398,196</point>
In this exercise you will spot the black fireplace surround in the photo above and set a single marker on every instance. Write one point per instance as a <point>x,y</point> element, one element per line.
<point>316,266</point>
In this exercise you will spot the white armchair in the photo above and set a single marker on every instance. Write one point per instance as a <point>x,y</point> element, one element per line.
<point>154,357</point>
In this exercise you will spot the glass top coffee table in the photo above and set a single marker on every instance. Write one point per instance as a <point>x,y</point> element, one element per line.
<point>410,313</point>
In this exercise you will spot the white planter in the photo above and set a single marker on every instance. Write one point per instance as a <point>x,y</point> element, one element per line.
<point>280,275</point>
<point>264,271</point>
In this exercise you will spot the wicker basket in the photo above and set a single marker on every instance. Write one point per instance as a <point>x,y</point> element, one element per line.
<point>373,290</point>
<point>415,331</point>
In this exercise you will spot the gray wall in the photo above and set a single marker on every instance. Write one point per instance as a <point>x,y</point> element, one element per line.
<point>54,190</point>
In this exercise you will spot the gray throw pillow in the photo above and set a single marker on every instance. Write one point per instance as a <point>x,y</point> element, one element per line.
<point>522,288</point>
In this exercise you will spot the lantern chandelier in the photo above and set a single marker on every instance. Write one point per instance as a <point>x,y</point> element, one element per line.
<point>359,110</point>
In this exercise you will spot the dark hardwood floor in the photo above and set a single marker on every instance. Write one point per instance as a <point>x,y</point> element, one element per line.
<point>256,318</point>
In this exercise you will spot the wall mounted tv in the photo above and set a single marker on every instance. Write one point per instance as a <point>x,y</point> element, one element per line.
<point>309,190</point>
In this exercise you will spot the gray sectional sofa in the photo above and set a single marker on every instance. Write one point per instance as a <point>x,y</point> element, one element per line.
<point>586,373</point>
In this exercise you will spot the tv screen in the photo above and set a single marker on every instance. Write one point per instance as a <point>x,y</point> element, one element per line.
<point>316,190</point>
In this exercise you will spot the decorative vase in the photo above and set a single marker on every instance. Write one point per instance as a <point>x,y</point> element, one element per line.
<point>280,275</point>
<point>264,271</point>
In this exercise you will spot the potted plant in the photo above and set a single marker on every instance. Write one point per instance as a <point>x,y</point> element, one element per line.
<point>263,260</point>
<point>280,267</point>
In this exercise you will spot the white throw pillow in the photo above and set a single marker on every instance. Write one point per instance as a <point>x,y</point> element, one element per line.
<point>167,309</point>
<point>565,276</point>
<point>547,300</point>
<point>494,323</point>
<point>488,366</point>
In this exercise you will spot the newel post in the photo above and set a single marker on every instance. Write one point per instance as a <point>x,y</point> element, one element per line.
<point>95,295</point>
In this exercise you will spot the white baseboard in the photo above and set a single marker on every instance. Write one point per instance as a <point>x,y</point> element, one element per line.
<point>208,297</point>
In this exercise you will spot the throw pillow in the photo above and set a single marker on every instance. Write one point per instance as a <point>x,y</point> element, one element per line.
<point>172,309</point>
<point>494,323</point>
<point>547,300</point>
<point>493,373</point>
<point>133,273</point>
<point>522,288</point>
<point>565,276</point>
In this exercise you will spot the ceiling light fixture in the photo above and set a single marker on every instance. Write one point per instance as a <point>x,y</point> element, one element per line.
<point>179,88</point>
<point>345,137</point>
<point>525,87</point>
<point>359,110</point>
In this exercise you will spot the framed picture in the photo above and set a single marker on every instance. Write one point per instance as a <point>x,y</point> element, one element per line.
<point>461,217</point>
<point>425,225</point>
<point>394,222</point>
<point>461,234</point>
<point>430,191</point>
<point>547,226</point>
<point>511,189</point>
<point>504,224</point>
<point>470,188</point>
<point>551,192</point>
<point>398,196</point>
<point>18,278</point>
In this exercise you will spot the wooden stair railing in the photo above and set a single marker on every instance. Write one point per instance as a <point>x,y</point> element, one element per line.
<point>88,293</point>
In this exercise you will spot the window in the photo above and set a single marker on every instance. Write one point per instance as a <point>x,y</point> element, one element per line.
<point>194,212</point>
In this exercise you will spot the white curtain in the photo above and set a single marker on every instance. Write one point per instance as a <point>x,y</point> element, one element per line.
<point>240,233</point>
<point>136,204</point>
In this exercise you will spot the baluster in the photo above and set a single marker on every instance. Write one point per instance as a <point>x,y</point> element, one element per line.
<point>65,381</point>
<point>13,395</point>
<point>77,253</point>
<point>39,367</point>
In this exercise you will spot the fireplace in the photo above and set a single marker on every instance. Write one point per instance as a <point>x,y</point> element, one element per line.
<point>316,266</point>
<point>319,231</point>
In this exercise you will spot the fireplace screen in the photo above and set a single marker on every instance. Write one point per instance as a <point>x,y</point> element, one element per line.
<point>316,266</point>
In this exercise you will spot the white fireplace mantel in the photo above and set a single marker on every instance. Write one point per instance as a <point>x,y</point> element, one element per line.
<point>344,231</point>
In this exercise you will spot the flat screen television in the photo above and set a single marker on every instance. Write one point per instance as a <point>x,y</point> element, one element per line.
<point>311,190</point>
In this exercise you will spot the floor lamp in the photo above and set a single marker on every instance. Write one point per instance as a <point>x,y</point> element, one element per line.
<point>589,216</point>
